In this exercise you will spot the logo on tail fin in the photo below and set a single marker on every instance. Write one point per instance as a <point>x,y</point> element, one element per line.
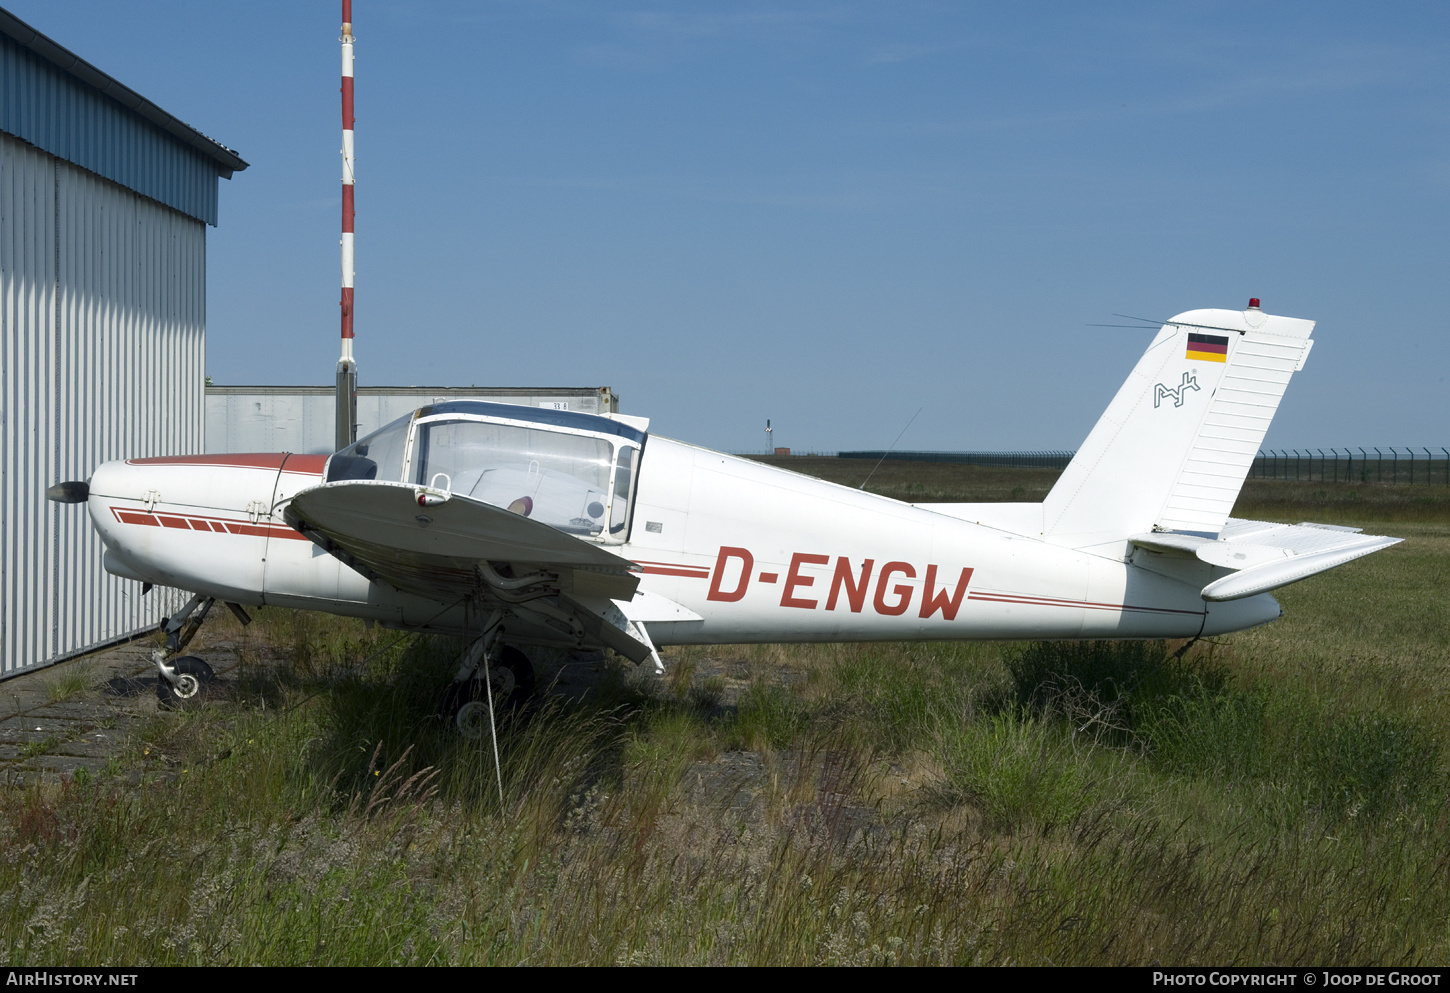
<point>1178,393</point>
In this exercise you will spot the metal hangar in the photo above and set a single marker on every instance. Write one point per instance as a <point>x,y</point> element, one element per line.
<point>104,203</point>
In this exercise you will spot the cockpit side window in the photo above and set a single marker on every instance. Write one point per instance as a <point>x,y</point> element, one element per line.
<point>619,507</point>
<point>378,456</point>
<point>556,478</point>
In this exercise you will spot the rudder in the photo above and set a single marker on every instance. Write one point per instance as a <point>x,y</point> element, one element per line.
<point>1175,445</point>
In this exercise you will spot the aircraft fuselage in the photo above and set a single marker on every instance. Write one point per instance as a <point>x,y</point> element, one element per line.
<point>727,550</point>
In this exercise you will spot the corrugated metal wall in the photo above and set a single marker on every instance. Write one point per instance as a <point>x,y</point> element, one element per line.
<point>102,356</point>
<point>57,112</point>
<point>300,418</point>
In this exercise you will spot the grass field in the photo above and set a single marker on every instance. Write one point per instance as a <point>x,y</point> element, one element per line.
<point>1278,796</point>
<point>940,482</point>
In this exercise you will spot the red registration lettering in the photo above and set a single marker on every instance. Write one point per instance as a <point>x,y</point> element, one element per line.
<point>901,590</point>
<point>855,589</point>
<point>794,579</point>
<point>932,602</point>
<point>718,576</point>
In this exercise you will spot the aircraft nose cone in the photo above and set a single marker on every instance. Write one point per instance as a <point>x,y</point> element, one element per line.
<point>70,492</point>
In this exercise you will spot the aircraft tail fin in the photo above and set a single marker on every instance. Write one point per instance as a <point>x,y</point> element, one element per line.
<point>1174,447</point>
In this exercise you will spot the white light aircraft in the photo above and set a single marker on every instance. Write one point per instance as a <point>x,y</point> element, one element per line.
<point>516,527</point>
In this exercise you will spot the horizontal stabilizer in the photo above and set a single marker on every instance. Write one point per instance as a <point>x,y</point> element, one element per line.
<point>1265,556</point>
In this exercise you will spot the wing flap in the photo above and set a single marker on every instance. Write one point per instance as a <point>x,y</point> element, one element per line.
<point>647,607</point>
<point>603,619</point>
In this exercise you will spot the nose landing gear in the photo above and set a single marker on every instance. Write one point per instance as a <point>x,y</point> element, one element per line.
<point>191,673</point>
<point>183,680</point>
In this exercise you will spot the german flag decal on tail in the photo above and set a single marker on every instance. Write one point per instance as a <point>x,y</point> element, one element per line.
<point>1207,347</point>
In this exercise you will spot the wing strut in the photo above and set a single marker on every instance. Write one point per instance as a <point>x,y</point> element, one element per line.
<point>636,628</point>
<point>477,654</point>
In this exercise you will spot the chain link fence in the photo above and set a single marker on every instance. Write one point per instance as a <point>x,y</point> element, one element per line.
<point>1355,465</point>
<point>1001,460</point>
<point>1419,466</point>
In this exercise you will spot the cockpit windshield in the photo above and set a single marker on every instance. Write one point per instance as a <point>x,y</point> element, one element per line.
<point>378,456</point>
<point>573,472</point>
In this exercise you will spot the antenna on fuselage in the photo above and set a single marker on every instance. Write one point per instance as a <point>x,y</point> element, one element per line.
<point>346,367</point>
<point>888,451</point>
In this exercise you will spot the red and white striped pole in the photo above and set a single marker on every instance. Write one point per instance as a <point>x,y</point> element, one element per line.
<point>346,367</point>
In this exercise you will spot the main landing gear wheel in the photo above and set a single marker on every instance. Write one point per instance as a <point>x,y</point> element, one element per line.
<point>465,704</point>
<point>193,675</point>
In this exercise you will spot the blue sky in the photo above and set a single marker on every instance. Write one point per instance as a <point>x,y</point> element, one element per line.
<point>829,214</point>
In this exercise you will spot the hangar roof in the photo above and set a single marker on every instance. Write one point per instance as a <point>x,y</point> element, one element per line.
<point>57,101</point>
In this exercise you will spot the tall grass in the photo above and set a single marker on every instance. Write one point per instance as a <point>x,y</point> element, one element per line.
<point>980,824</point>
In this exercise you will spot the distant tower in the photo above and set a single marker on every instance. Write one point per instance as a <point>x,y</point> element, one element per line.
<point>769,442</point>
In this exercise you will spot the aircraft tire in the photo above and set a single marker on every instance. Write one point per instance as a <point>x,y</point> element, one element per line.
<point>195,676</point>
<point>465,704</point>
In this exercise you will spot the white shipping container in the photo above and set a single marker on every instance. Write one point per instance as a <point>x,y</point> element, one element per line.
<point>299,419</point>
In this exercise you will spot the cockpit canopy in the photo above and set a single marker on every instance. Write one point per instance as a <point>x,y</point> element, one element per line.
<point>571,471</point>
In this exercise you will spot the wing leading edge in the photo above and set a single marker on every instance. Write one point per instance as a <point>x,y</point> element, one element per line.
<point>442,550</point>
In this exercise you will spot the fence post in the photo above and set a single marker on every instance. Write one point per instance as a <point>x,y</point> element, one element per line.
<point>1429,459</point>
<point>1379,466</point>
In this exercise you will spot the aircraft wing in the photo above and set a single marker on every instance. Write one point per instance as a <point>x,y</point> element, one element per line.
<point>1266,556</point>
<point>442,550</point>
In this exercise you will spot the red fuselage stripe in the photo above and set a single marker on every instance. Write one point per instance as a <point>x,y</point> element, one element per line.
<point>307,465</point>
<point>673,569</point>
<point>655,570</point>
<point>1033,601</point>
<point>260,461</point>
<point>210,524</point>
